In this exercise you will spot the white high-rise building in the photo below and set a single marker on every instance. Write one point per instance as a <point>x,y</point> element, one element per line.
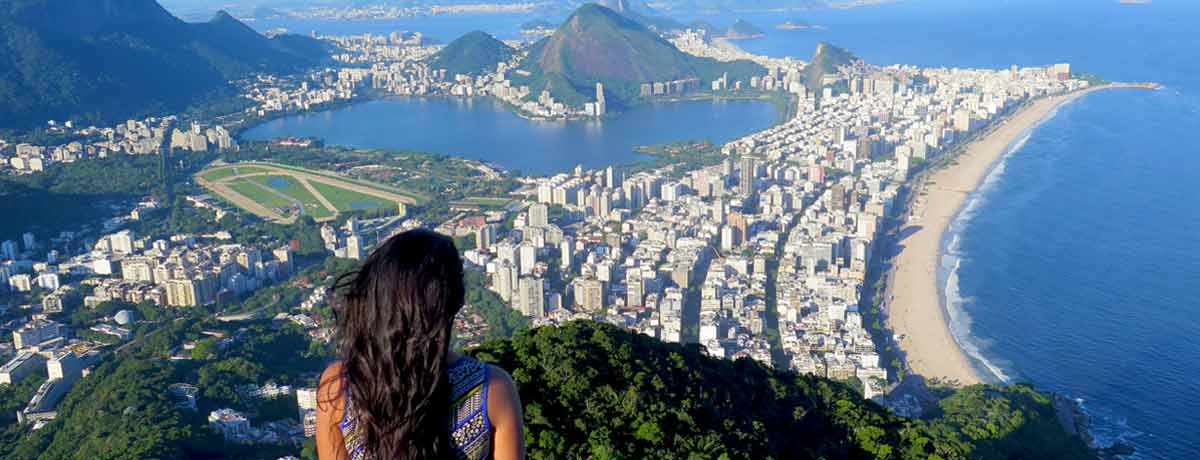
<point>354,247</point>
<point>306,398</point>
<point>539,215</point>
<point>601,105</point>
<point>503,279</point>
<point>566,250</point>
<point>48,281</point>
<point>9,249</point>
<point>122,241</point>
<point>485,237</point>
<point>531,298</point>
<point>528,254</point>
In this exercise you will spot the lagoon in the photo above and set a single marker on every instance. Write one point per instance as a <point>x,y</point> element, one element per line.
<point>483,129</point>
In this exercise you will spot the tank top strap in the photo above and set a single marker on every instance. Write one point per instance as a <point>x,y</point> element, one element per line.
<point>470,427</point>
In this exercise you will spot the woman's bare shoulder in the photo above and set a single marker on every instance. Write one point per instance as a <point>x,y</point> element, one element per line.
<point>501,388</point>
<point>330,387</point>
<point>497,375</point>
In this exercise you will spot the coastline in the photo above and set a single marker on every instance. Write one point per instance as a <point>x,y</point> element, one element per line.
<point>915,303</point>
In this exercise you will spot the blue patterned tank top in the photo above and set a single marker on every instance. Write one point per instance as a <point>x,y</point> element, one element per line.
<point>470,429</point>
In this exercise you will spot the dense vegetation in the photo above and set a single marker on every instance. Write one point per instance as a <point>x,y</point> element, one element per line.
<point>502,320</point>
<point>69,194</point>
<point>472,54</point>
<point>106,60</point>
<point>597,391</point>
<point>123,411</point>
<point>590,391</point>
<point>597,44</point>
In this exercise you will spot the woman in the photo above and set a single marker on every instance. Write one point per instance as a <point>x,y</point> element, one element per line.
<point>398,392</point>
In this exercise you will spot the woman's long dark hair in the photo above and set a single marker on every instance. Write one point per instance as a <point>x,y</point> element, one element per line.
<point>394,330</point>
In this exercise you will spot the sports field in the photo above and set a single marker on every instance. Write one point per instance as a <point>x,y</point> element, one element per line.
<point>282,193</point>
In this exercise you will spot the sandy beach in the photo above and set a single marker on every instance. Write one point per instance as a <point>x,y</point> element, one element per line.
<point>914,307</point>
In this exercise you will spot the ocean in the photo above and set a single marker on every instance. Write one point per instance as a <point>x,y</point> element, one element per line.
<point>1072,266</point>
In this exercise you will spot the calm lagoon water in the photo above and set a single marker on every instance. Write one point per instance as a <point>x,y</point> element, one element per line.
<point>483,129</point>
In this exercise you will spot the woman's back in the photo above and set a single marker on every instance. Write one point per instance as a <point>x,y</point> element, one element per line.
<point>469,424</point>
<point>397,390</point>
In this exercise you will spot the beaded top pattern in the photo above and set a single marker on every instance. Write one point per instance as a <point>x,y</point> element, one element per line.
<point>469,424</point>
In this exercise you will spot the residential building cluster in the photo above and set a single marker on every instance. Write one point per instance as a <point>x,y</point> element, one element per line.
<point>45,348</point>
<point>276,94</point>
<point>779,236</point>
<point>133,137</point>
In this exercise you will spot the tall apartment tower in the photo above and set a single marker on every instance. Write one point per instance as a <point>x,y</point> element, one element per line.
<point>746,184</point>
<point>531,298</point>
<point>601,105</point>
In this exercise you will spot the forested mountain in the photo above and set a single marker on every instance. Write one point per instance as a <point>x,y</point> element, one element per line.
<point>597,44</point>
<point>472,54</point>
<point>105,60</point>
<point>825,61</point>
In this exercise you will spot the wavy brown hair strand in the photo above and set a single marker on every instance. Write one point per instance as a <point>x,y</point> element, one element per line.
<point>395,316</point>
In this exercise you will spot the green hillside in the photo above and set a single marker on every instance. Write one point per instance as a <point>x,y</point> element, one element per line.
<point>590,391</point>
<point>597,391</point>
<point>106,60</point>
<point>596,44</point>
<point>825,61</point>
<point>472,54</point>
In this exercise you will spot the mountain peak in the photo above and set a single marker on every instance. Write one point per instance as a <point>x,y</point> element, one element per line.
<point>67,50</point>
<point>598,45</point>
<point>825,62</point>
<point>222,15</point>
<point>82,17</point>
<point>471,54</point>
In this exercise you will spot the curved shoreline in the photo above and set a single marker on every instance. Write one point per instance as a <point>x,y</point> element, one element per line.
<point>917,310</point>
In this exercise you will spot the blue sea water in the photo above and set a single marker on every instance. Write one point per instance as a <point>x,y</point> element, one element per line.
<point>1074,266</point>
<point>440,28</point>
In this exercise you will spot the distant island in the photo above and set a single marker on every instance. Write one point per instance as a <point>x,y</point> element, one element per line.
<point>537,27</point>
<point>797,24</point>
<point>536,24</point>
<point>743,30</point>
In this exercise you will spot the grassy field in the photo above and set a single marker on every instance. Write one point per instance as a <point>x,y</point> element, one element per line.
<point>254,191</point>
<point>344,199</point>
<point>294,189</point>
<point>417,197</point>
<point>222,172</point>
<point>276,192</point>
